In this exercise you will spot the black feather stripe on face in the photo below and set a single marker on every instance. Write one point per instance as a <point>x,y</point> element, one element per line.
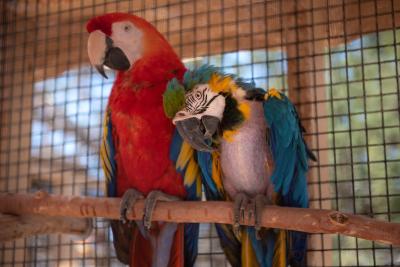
<point>197,102</point>
<point>232,117</point>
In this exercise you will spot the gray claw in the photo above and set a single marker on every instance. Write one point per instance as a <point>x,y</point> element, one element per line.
<point>150,204</point>
<point>239,208</point>
<point>191,130</point>
<point>128,201</point>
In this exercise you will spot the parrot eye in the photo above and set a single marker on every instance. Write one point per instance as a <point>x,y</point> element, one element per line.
<point>127,28</point>
<point>198,102</point>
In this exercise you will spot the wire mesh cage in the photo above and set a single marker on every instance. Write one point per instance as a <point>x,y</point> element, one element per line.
<point>337,61</point>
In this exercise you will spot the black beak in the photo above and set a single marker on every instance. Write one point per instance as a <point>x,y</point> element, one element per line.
<point>114,59</point>
<point>199,133</point>
<point>100,69</point>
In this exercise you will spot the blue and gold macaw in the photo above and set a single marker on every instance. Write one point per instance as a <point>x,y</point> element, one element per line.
<point>251,150</point>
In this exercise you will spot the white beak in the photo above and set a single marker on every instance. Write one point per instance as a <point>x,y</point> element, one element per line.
<point>97,47</point>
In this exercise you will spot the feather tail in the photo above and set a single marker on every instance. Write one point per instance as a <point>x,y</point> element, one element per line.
<point>141,250</point>
<point>279,259</point>
<point>121,239</point>
<point>264,248</point>
<point>177,255</point>
<point>229,244</point>
<point>249,258</point>
<point>298,249</point>
<point>162,247</point>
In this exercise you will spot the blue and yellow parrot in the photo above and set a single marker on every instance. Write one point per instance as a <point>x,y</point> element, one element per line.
<point>251,150</point>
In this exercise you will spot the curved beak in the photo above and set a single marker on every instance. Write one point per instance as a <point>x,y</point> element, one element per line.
<point>199,132</point>
<point>102,52</point>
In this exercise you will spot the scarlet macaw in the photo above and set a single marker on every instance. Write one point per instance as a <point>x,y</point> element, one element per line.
<point>141,153</point>
<point>252,152</point>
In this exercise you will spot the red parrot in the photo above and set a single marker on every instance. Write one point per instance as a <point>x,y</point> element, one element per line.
<point>141,153</point>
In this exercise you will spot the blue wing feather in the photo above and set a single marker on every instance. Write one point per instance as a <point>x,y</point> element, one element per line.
<point>184,159</point>
<point>264,248</point>
<point>107,156</point>
<point>290,155</point>
<point>214,192</point>
<point>121,232</point>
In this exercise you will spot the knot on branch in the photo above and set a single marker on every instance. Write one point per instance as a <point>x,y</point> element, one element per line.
<point>338,218</point>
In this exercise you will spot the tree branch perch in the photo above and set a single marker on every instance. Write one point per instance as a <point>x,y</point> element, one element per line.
<point>21,226</point>
<point>306,220</point>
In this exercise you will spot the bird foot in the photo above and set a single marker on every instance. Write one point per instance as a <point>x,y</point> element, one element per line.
<point>150,204</point>
<point>255,209</point>
<point>254,206</point>
<point>128,201</point>
<point>239,207</point>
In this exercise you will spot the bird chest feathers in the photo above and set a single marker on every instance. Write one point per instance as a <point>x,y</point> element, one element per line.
<point>245,158</point>
<point>143,143</point>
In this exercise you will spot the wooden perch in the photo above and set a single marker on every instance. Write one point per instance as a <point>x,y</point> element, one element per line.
<point>306,220</point>
<point>21,226</point>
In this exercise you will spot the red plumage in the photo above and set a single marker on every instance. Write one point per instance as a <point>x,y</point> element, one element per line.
<point>141,132</point>
<point>141,129</point>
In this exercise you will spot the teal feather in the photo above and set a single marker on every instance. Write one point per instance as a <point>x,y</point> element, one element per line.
<point>186,79</point>
<point>191,230</point>
<point>264,248</point>
<point>290,155</point>
<point>229,243</point>
<point>203,75</point>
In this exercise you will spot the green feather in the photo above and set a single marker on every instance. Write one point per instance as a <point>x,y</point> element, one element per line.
<point>173,98</point>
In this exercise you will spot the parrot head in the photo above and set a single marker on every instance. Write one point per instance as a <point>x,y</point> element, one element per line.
<point>118,40</point>
<point>206,105</point>
<point>200,117</point>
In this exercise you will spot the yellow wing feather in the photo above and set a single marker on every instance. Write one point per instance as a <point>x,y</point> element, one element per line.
<point>192,174</point>
<point>217,171</point>
<point>184,156</point>
<point>248,255</point>
<point>105,164</point>
<point>280,250</point>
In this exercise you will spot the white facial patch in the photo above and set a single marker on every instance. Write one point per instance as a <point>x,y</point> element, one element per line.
<point>128,38</point>
<point>201,101</point>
